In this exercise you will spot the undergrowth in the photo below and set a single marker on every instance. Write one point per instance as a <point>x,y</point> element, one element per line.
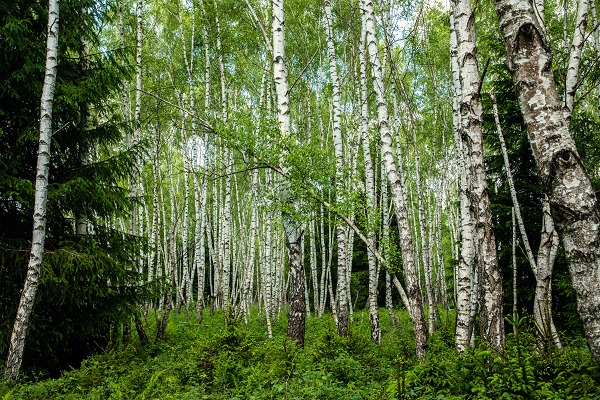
<point>218,360</point>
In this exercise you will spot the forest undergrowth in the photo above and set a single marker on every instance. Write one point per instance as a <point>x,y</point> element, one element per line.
<point>222,358</point>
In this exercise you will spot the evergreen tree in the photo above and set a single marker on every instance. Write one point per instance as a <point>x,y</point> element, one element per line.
<point>88,283</point>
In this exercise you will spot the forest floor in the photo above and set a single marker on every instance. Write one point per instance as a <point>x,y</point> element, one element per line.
<point>213,360</point>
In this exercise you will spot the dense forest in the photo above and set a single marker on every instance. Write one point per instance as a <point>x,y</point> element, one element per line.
<point>300,199</point>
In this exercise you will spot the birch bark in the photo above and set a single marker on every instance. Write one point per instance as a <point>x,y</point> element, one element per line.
<point>572,199</point>
<point>293,230</point>
<point>406,241</point>
<point>341,231</point>
<point>464,282</point>
<point>542,304</point>
<point>489,278</point>
<point>370,192</point>
<point>17,338</point>
<point>579,37</point>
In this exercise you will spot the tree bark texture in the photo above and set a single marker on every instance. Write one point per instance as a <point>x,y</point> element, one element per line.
<point>19,332</point>
<point>293,230</point>
<point>370,192</point>
<point>341,231</point>
<point>542,305</point>
<point>471,134</point>
<point>398,197</point>
<point>568,187</point>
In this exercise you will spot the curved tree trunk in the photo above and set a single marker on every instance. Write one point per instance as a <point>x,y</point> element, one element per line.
<point>398,197</point>
<point>17,339</point>
<point>542,267</point>
<point>572,199</point>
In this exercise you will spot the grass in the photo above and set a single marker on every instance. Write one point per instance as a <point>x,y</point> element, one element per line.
<point>213,360</point>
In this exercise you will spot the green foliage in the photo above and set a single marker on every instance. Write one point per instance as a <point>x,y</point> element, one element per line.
<point>89,284</point>
<point>231,361</point>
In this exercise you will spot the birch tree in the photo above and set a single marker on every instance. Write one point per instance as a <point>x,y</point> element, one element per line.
<point>370,192</point>
<point>572,200</point>
<point>341,231</point>
<point>294,230</point>
<point>471,134</point>
<point>464,274</point>
<point>19,332</point>
<point>542,267</point>
<point>415,308</point>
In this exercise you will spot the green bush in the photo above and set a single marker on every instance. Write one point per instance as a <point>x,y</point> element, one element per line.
<point>222,359</point>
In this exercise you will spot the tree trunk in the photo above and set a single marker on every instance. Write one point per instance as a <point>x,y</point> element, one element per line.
<point>542,302</point>
<point>546,253</point>
<point>370,192</point>
<point>571,196</point>
<point>490,281</point>
<point>465,269</point>
<point>341,231</point>
<point>293,230</point>
<point>579,37</point>
<point>398,197</point>
<point>19,332</point>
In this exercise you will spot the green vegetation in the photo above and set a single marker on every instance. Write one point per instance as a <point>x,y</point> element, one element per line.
<point>215,360</point>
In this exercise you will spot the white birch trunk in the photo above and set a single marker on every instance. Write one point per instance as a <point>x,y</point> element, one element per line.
<point>293,230</point>
<point>548,245</point>
<point>226,235</point>
<point>542,303</point>
<point>341,231</point>
<point>406,241</point>
<point>596,46</point>
<point>490,282</point>
<point>81,223</point>
<point>17,339</point>
<point>579,37</point>
<point>371,203</point>
<point>385,243</point>
<point>464,271</point>
<point>323,289</point>
<point>313,266</point>
<point>572,199</point>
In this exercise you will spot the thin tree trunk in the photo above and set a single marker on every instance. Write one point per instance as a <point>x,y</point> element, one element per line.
<point>313,267</point>
<point>579,37</point>
<point>323,289</point>
<point>370,191</point>
<point>81,223</point>
<point>385,243</point>
<point>293,230</point>
<point>19,332</point>
<point>542,302</point>
<point>543,272</point>
<point>341,231</point>
<point>514,265</point>
<point>398,197</point>
<point>596,46</point>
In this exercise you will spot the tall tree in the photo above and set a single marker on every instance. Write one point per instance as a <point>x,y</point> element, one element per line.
<point>567,184</point>
<point>294,230</point>
<point>411,275</point>
<point>341,230</point>
<point>471,134</point>
<point>17,339</point>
